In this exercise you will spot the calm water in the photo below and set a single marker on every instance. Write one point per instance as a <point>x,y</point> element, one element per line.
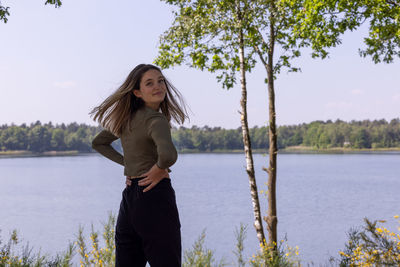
<point>319,198</point>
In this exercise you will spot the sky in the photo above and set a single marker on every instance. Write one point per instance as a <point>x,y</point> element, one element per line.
<point>58,64</point>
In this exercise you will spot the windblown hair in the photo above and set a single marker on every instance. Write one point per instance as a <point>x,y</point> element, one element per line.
<point>115,113</point>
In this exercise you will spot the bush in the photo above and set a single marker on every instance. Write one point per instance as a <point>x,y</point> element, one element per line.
<point>8,257</point>
<point>373,245</point>
<point>272,255</point>
<point>199,256</point>
<point>102,254</point>
<point>98,256</point>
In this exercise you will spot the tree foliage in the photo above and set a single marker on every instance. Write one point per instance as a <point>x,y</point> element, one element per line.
<point>383,17</point>
<point>4,11</point>
<point>204,35</point>
<point>320,24</point>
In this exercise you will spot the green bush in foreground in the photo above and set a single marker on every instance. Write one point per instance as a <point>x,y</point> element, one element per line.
<point>98,256</point>
<point>200,256</point>
<point>27,258</point>
<point>282,256</point>
<point>102,254</point>
<point>373,245</point>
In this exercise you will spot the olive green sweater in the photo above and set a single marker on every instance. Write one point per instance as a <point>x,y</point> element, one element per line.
<point>146,142</point>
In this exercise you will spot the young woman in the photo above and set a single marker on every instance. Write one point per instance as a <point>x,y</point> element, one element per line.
<point>139,113</point>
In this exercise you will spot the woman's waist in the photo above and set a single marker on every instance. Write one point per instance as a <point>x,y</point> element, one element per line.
<point>138,170</point>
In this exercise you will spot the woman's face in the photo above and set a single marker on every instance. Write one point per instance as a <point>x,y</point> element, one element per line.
<point>152,89</point>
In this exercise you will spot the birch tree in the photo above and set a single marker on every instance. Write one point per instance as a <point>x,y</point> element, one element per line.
<point>294,24</point>
<point>210,35</point>
<point>213,35</point>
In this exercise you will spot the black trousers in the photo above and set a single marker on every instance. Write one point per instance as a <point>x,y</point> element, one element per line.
<point>148,227</point>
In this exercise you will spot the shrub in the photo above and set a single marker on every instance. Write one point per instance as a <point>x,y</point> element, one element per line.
<point>272,255</point>
<point>8,257</point>
<point>199,256</point>
<point>373,245</point>
<point>98,256</point>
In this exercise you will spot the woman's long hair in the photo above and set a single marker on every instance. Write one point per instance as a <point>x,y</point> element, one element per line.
<point>115,113</point>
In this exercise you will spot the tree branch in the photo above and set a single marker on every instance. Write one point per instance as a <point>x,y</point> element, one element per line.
<point>260,55</point>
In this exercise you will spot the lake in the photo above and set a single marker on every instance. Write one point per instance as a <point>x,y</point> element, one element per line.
<point>319,197</point>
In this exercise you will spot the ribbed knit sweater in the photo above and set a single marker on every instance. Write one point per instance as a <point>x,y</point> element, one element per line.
<point>146,142</point>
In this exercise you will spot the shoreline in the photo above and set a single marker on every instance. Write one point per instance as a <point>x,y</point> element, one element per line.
<point>27,153</point>
<point>338,150</point>
<point>287,150</point>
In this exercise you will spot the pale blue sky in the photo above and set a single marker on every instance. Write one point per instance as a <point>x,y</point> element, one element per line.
<point>57,64</point>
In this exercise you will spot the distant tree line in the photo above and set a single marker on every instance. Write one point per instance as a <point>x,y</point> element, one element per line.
<point>354,134</point>
<point>317,134</point>
<point>38,137</point>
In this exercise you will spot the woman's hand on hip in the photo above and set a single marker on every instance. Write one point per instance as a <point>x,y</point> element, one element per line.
<point>128,181</point>
<point>153,177</point>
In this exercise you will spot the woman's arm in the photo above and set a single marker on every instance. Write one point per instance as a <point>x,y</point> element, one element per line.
<point>160,131</point>
<point>102,144</point>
